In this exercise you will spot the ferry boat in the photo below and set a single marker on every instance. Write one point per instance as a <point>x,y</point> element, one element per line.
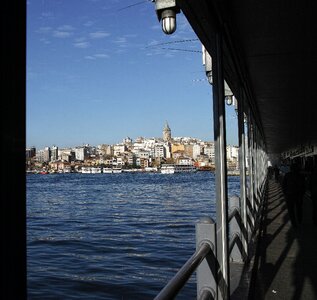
<point>174,168</point>
<point>85,170</point>
<point>150,169</point>
<point>95,170</point>
<point>67,170</point>
<point>107,170</point>
<point>116,170</point>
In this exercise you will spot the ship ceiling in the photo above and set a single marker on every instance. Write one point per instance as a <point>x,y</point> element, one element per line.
<point>270,50</point>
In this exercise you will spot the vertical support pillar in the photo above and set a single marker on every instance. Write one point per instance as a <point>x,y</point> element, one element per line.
<point>221,172</point>
<point>254,143</point>
<point>206,272</point>
<point>242,167</point>
<point>251,166</point>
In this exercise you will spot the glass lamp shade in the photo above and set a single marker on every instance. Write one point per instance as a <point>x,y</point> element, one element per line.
<point>229,100</point>
<point>168,21</point>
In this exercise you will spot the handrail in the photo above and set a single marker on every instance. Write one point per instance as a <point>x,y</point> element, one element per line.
<point>181,277</point>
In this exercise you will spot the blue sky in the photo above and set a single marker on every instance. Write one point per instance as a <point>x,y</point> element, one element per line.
<point>96,74</point>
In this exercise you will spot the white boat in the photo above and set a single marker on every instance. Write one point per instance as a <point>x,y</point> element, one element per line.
<point>107,170</point>
<point>85,170</point>
<point>67,170</point>
<point>173,168</point>
<point>95,170</point>
<point>167,169</point>
<point>150,169</point>
<point>116,170</point>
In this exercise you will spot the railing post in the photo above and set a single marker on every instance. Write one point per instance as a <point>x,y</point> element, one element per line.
<point>207,270</point>
<point>235,229</point>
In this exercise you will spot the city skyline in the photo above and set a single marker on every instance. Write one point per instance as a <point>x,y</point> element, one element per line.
<point>98,72</point>
<point>174,139</point>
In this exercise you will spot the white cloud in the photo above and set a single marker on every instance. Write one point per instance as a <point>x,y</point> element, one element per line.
<point>99,34</point>
<point>101,55</point>
<point>89,23</point>
<point>63,31</point>
<point>96,56</point>
<point>44,29</point>
<point>65,28</point>
<point>120,40</point>
<point>81,45</point>
<point>131,35</point>
<point>45,41</point>
<point>46,15</point>
<point>62,34</point>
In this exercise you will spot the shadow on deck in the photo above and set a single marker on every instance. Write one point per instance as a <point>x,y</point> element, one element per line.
<point>285,265</point>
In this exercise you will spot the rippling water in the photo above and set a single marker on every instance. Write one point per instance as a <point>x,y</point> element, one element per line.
<point>113,236</point>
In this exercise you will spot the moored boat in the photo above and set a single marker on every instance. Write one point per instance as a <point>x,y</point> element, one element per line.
<point>174,168</point>
<point>116,170</point>
<point>85,170</point>
<point>95,170</point>
<point>107,170</point>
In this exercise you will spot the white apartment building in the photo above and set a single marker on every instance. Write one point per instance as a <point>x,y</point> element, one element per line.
<point>209,150</point>
<point>232,153</point>
<point>159,151</point>
<point>54,153</point>
<point>81,153</point>
<point>196,151</point>
<point>119,149</point>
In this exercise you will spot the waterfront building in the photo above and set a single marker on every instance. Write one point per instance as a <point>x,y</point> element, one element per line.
<point>143,154</point>
<point>46,154</point>
<point>106,150</point>
<point>81,153</point>
<point>168,150</point>
<point>59,165</point>
<point>120,161</point>
<point>196,151</point>
<point>159,151</point>
<point>131,159</point>
<point>127,141</point>
<point>232,153</point>
<point>119,149</point>
<point>30,152</point>
<point>177,154</point>
<point>54,153</point>
<point>177,147</point>
<point>66,154</point>
<point>209,150</point>
<point>142,162</point>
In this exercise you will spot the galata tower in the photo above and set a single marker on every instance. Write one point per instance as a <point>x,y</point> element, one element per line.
<point>167,136</point>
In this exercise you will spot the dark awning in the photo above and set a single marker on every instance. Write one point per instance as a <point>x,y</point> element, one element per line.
<point>270,53</point>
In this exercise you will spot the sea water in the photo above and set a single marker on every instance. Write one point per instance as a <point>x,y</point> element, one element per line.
<point>113,236</point>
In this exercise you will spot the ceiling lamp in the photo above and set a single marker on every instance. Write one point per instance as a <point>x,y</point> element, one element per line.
<point>166,12</point>
<point>229,99</point>
<point>207,62</point>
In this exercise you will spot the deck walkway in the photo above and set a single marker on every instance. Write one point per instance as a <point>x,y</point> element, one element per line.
<point>286,260</point>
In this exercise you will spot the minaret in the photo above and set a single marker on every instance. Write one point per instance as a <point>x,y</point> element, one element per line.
<point>167,136</point>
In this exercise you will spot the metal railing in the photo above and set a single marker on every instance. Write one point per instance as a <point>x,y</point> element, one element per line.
<point>182,276</point>
<point>204,260</point>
